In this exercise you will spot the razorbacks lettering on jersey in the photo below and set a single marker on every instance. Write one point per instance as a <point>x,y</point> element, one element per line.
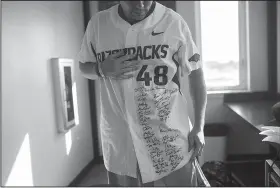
<point>143,119</point>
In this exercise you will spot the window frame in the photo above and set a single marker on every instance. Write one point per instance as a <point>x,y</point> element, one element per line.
<point>244,61</point>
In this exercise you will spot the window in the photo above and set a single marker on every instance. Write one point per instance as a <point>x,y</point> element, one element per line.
<point>223,44</point>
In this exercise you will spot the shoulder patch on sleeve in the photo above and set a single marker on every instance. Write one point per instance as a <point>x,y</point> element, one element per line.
<point>195,58</point>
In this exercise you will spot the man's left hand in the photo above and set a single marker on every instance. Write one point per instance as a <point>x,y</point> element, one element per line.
<point>196,142</point>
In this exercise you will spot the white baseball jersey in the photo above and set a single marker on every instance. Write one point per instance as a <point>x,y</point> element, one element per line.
<point>143,119</point>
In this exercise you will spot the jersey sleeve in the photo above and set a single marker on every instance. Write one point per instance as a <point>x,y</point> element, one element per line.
<point>87,51</point>
<point>188,52</point>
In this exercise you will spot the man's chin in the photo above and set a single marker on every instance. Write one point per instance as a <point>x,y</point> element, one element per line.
<point>138,17</point>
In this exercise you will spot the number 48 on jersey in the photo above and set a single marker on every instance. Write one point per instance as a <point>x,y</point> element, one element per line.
<point>160,75</point>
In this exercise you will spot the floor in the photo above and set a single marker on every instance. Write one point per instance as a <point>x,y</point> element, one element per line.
<point>251,174</point>
<point>96,176</point>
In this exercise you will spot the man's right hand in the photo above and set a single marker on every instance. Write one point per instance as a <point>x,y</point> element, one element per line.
<point>117,66</point>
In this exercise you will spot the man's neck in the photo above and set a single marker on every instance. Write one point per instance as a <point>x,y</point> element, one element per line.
<point>123,16</point>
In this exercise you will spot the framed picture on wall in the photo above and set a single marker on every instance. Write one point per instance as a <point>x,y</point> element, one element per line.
<point>65,95</point>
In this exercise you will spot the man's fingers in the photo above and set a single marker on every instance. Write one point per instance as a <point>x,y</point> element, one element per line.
<point>199,146</point>
<point>195,153</point>
<point>115,55</point>
<point>191,143</point>
<point>131,63</point>
<point>124,74</point>
<point>200,151</point>
<point>127,72</point>
<point>129,69</point>
<point>123,77</point>
<point>125,58</point>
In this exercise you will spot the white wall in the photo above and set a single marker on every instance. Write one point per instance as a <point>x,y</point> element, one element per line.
<point>216,111</point>
<point>33,153</point>
<point>258,45</point>
<point>278,44</point>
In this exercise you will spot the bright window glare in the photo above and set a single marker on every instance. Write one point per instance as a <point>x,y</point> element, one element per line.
<point>220,42</point>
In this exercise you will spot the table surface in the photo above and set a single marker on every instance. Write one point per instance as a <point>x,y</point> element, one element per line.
<point>257,113</point>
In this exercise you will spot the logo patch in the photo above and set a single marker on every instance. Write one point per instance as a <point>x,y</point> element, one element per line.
<point>195,58</point>
<point>154,34</point>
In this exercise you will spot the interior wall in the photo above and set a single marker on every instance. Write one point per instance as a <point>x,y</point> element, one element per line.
<point>258,45</point>
<point>33,153</point>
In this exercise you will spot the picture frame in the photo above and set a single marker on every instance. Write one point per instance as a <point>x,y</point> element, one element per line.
<point>64,94</point>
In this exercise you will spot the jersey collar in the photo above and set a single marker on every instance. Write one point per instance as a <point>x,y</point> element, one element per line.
<point>121,13</point>
<point>146,23</point>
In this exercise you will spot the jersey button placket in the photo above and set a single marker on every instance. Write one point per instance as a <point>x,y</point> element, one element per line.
<point>131,37</point>
<point>130,41</point>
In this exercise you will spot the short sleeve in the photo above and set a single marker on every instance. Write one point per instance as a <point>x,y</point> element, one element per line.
<point>87,51</point>
<point>188,52</point>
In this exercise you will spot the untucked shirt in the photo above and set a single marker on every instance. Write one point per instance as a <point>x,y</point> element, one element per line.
<point>143,119</point>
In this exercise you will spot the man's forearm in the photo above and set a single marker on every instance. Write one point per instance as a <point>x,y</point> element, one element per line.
<point>199,96</point>
<point>89,70</point>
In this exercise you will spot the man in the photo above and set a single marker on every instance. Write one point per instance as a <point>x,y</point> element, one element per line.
<point>139,51</point>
